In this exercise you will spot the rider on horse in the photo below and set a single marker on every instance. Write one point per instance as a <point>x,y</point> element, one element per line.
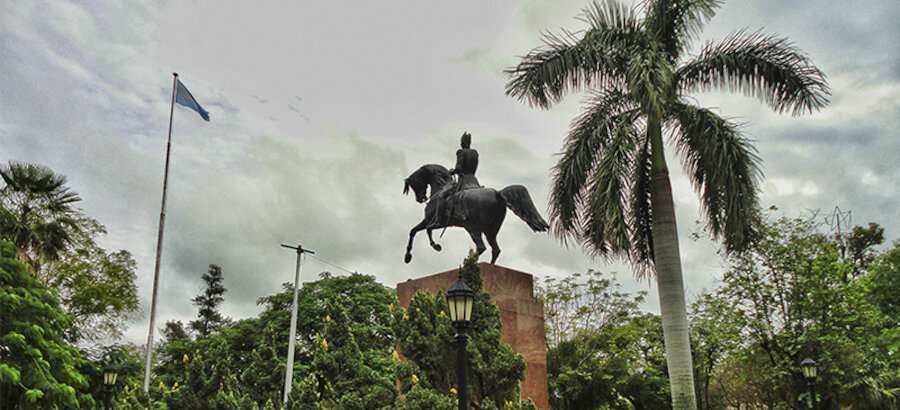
<point>466,165</point>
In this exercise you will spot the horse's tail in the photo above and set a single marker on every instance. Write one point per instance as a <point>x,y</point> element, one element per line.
<point>518,200</point>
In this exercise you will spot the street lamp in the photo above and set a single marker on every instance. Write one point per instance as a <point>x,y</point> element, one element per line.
<point>461,298</point>
<point>110,372</point>
<point>809,372</point>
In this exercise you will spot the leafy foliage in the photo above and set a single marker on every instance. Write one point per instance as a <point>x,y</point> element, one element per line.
<point>38,369</point>
<point>57,241</point>
<point>343,378</point>
<point>603,352</point>
<point>572,307</point>
<point>792,296</point>
<point>424,335</point>
<point>37,213</point>
<point>98,289</point>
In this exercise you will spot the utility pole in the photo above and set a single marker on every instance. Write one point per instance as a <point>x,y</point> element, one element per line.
<point>289,372</point>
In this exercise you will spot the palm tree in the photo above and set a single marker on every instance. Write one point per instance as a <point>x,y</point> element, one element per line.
<point>610,189</point>
<point>37,213</point>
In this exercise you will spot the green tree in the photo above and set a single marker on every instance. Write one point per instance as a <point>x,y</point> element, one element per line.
<point>57,241</point>
<point>424,335</point>
<point>209,319</point>
<point>174,330</point>
<point>243,363</point>
<point>610,190</point>
<point>37,213</point>
<point>572,307</point>
<point>603,352</point>
<point>38,369</point>
<point>343,377</point>
<point>792,296</point>
<point>97,288</point>
<point>366,301</point>
<point>714,336</point>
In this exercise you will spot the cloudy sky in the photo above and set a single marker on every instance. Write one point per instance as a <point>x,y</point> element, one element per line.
<point>320,109</point>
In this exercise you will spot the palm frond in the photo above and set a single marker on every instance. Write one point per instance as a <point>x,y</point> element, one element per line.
<point>568,63</point>
<point>641,216</point>
<point>675,23</point>
<point>724,169</point>
<point>767,67</point>
<point>606,229</point>
<point>609,15</point>
<point>589,134</point>
<point>650,80</point>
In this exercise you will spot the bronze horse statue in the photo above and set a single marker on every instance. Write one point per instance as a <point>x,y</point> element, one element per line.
<point>479,210</point>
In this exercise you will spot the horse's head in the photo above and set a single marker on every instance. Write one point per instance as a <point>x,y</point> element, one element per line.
<point>419,188</point>
<point>432,175</point>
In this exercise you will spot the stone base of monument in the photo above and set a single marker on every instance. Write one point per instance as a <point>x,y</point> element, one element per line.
<point>522,317</point>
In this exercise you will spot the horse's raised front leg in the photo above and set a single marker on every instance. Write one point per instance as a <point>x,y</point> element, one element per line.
<point>436,246</point>
<point>412,235</point>
<point>479,244</point>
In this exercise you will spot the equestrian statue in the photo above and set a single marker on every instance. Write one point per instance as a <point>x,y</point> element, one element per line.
<point>465,203</point>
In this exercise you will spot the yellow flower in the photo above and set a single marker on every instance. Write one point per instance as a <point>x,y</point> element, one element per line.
<point>415,379</point>
<point>443,313</point>
<point>185,358</point>
<point>453,390</point>
<point>126,388</point>
<point>174,386</point>
<point>318,394</point>
<point>508,404</point>
<point>162,386</point>
<point>327,318</point>
<point>325,344</point>
<point>418,310</point>
<point>317,383</point>
<point>405,316</point>
<point>391,308</point>
<point>124,401</point>
<point>396,356</point>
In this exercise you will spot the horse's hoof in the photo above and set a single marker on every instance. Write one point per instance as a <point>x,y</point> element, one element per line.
<point>407,258</point>
<point>437,247</point>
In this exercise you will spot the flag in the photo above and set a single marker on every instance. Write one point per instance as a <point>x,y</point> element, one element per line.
<point>184,97</point>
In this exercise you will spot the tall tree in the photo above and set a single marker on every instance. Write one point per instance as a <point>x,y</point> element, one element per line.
<point>424,335</point>
<point>209,319</point>
<point>611,189</point>
<point>37,213</point>
<point>57,241</point>
<point>38,368</point>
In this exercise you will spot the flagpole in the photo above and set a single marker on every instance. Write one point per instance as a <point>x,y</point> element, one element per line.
<point>159,240</point>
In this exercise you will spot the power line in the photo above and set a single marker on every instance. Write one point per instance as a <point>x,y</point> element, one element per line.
<point>331,264</point>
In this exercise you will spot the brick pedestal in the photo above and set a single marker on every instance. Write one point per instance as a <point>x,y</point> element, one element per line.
<point>521,315</point>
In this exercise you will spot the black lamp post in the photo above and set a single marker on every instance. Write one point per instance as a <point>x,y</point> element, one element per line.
<point>110,372</point>
<point>461,297</point>
<point>809,372</point>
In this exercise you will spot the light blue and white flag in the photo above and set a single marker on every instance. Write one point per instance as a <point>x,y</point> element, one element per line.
<point>184,97</point>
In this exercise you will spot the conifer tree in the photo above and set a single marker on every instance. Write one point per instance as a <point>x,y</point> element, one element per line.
<point>424,335</point>
<point>210,320</point>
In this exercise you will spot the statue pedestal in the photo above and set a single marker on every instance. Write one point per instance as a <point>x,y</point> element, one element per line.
<point>521,315</point>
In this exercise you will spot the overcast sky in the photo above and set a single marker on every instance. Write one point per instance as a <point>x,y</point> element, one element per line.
<point>320,109</point>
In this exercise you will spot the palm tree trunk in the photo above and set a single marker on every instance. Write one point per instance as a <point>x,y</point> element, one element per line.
<point>669,280</point>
